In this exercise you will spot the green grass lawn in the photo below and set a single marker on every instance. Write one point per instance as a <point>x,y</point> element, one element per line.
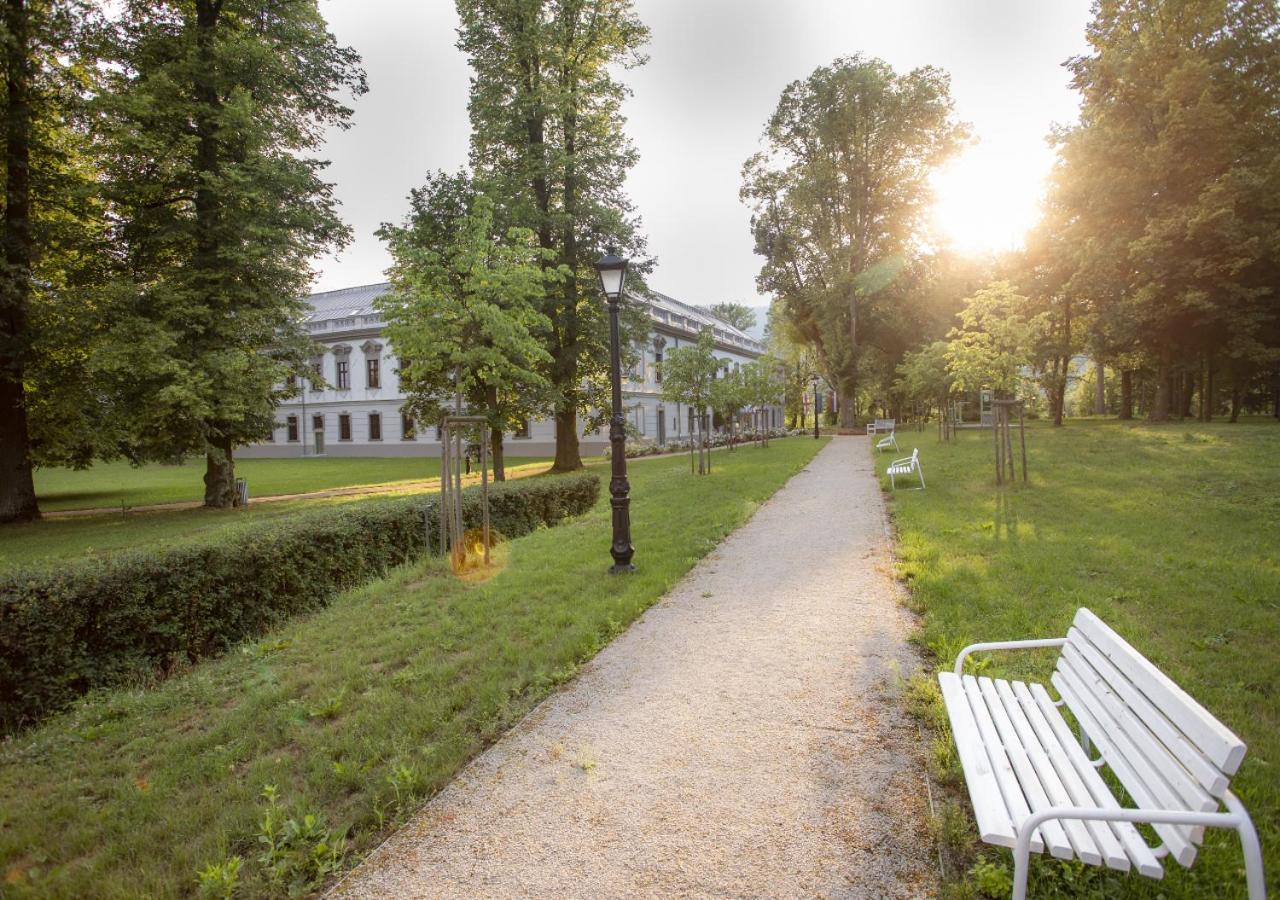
<point>117,483</point>
<point>76,536</point>
<point>1171,534</point>
<point>355,714</point>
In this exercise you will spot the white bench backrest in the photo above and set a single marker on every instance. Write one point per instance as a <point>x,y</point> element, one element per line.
<point>885,424</point>
<point>1167,750</point>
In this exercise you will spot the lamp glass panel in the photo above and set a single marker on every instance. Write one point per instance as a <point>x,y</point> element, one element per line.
<point>611,281</point>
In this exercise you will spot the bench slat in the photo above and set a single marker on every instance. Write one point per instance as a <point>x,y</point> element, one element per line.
<point>1082,841</point>
<point>1014,800</point>
<point>1141,783</point>
<point>1109,848</point>
<point>1135,846</point>
<point>1218,743</point>
<point>1194,776</point>
<point>989,809</point>
<point>1052,831</point>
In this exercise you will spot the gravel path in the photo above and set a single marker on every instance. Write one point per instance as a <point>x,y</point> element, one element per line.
<point>742,739</point>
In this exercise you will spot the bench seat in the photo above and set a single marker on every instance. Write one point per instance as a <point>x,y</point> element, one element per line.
<point>1019,756</point>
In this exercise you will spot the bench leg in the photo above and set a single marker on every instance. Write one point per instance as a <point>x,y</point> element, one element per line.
<point>1022,862</point>
<point>920,472</point>
<point>1250,847</point>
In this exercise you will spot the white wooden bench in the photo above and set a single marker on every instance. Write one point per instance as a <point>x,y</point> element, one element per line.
<point>889,440</point>
<point>906,466</point>
<point>880,426</point>
<point>1034,787</point>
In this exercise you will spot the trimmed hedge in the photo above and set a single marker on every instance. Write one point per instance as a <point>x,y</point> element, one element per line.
<point>102,622</point>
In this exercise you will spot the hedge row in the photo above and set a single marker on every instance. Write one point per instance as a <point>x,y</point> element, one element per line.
<point>99,623</point>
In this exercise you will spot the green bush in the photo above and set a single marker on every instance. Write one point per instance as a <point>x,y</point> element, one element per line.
<point>100,622</point>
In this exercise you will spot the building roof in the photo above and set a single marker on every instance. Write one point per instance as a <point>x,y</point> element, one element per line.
<point>358,302</point>
<point>346,303</point>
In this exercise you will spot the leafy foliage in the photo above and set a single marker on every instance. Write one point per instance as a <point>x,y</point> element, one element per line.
<point>990,347</point>
<point>739,315</point>
<point>97,623</point>
<point>688,376</point>
<point>463,314</point>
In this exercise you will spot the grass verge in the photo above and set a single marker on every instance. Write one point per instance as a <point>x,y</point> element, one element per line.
<point>98,535</point>
<point>117,484</point>
<point>1172,535</point>
<point>352,716</point>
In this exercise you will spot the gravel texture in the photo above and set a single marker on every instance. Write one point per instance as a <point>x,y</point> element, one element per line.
<point>744,738</point>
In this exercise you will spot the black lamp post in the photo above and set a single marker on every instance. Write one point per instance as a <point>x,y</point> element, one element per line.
<point>815,407</point>
<point>612,270</point>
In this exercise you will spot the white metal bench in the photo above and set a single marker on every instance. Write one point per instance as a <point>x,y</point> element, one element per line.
<point>889,440</point>
<point>906,466</point>
<point>1033,785</point>
<point>880,426</point>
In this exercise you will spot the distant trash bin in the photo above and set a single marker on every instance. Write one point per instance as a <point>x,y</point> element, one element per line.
<point>242,492</point>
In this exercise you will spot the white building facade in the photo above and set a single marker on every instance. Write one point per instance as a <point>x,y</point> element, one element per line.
<point>352,407</point>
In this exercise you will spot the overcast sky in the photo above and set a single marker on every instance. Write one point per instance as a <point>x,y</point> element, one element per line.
<point>715,72</point>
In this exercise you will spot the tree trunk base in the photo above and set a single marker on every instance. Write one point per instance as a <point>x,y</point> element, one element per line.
<point>568,453</point>
<point>220,477</point>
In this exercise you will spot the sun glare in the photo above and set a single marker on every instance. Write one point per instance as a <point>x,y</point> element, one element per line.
<point>986,201</point>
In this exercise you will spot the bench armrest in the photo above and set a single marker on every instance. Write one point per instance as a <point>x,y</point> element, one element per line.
<point>1005,645</point>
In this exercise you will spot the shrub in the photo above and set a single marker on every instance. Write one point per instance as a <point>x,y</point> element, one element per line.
<point>101,622</point>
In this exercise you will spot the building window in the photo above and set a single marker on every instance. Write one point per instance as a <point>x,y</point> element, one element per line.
<point>317,423</point>
<point>344,375</point>
<point>637,418</point>
<point>375,426</point>
<point>291,383</point>
<point>271,435</point>
<point>407,431</point>
<point>657,366</point>
<point>522,430</point>
<point>292,425</point>
<point>317,374</point>
<point>439,432</point>
<point>374,379</point>
<point>344,426</point>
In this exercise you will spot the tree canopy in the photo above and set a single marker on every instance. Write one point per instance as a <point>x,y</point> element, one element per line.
<point>463,314</point>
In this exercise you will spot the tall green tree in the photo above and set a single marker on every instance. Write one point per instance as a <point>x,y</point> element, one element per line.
<point>548,144</point>
<point>211,114</point>
<point>462,312</point>
<point>51,238</point>
<point>839,196</point>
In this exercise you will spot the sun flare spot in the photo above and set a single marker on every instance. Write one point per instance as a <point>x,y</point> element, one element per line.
<point>988,198</point>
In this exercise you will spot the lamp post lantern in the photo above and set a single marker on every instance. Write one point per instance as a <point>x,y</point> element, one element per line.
<point>815,407</point>
<point>612,270</point>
